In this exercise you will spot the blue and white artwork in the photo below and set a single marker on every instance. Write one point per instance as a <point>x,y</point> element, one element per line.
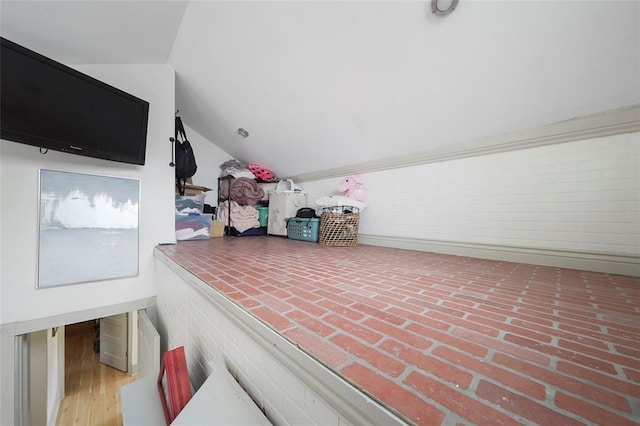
<point>88,228</point>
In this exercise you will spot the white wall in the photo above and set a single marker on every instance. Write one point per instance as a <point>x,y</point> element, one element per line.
<point>579,196</point>
<point>19,220</point>
<point>20,302</point>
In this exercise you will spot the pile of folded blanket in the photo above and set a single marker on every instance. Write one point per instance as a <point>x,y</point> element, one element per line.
<point>242,190</point>
<point>238,169</point>
<point>240,217</point>
<point>239,194</point>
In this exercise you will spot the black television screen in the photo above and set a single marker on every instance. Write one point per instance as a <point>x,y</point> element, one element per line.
<point>49,105</point>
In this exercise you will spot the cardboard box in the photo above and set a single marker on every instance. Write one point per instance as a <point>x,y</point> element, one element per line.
<point>217,229</point>
<point>195,189</point>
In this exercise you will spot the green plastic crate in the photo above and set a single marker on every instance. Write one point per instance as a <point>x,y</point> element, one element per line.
<point>305,229</point>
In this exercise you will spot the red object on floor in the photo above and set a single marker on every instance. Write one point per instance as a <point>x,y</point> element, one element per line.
<point>173,383</point>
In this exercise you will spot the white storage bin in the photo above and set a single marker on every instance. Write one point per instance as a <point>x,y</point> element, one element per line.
<point>281,206</point>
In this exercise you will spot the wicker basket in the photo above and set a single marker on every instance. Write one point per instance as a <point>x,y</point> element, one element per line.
<point>339,229</point>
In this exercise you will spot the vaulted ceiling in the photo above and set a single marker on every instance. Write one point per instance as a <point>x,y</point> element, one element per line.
<point>324,84</point>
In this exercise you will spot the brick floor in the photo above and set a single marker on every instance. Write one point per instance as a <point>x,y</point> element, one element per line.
<point>443,339</point>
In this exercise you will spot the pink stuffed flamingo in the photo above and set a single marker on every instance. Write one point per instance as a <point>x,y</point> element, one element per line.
<point>353,187</point>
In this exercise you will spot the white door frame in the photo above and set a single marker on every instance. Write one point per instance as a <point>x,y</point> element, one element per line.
<point>11,366</point>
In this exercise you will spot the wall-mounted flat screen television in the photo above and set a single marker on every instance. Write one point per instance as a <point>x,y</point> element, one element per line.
<point>50,105</point>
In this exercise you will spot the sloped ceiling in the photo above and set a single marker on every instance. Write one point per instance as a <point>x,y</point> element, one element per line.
<point>94,32</point>
<point>324,84</point>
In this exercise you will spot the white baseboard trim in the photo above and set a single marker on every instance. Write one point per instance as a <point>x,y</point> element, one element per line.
<point>587,261</point>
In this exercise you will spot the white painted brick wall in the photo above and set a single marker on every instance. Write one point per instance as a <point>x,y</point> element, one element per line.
<point>576,196</point>
<point>187,319</point>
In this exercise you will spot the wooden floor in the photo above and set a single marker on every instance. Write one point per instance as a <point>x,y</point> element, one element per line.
<point>92,394</point>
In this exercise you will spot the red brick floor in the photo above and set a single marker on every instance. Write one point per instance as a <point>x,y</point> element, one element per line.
<point>439,338</point>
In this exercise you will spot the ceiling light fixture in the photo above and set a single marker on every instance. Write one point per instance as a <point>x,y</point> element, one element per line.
<point>438,11</point>
<point>243,132</point>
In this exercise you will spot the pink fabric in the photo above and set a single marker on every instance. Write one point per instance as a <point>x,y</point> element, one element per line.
<point>242,217</point>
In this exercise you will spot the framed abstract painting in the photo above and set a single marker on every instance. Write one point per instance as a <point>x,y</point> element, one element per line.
<point>88,228</point>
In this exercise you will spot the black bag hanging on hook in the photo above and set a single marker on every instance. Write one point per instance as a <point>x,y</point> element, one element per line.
<point>185,160</point>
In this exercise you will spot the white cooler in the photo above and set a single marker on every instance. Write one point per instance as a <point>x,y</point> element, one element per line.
<point>283,205</point>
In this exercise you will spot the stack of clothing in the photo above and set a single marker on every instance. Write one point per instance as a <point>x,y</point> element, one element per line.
<point>238,196</point>
<point>239,169</point>
<point>191,221</point>
<point>241,218</point>
<point>243,191</point>
<point>236,169</point>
